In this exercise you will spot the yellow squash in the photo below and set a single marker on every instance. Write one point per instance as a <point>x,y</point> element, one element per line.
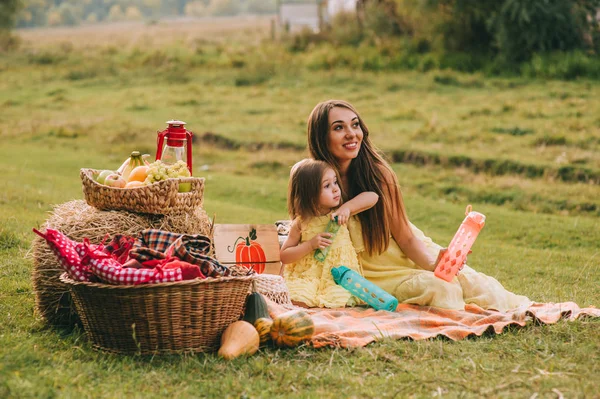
<point>239,338</point>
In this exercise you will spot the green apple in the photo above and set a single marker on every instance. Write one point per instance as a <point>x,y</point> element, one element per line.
<point>184,187</point>
<point>103,175</point>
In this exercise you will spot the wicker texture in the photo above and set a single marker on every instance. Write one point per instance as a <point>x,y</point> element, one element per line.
<point>165,318</point>
<point>78,220</point>
<point>272,287</point>
<point>159,198</point>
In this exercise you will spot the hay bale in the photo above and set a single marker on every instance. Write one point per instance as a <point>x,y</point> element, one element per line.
<point>78,220</point>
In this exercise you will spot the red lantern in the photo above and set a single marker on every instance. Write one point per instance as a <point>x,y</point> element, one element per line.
<point>249,252</point>
<point>179,143</point>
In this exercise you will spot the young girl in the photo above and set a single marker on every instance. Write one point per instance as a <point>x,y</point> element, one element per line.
<point>314,198</point>
<point>398,257</point>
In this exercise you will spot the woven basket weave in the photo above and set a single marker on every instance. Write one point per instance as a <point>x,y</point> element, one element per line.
<point>164,318</point>
<point>273,287</point>
<point>159,198</point>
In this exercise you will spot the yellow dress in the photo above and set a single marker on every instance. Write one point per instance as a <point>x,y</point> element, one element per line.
<point>310,281</point>
<point>398,275</point>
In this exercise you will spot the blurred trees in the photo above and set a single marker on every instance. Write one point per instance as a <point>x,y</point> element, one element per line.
<point>551,38</point>
<point>455,32</point>
<point>513,30</point>
<point>8,11</point>
<point>73,12</point>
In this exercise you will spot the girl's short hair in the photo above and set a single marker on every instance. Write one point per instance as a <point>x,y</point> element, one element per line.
<point>304,188</point>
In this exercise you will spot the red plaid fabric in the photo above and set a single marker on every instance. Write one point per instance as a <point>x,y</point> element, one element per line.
<point>195,249</point>
<point>65,250</point>
<point>87,262</point>
<point>119,247</point>
<point>159,244</point>
<point>188,271</point>
<point>152,244</point>
<point>109,270</point>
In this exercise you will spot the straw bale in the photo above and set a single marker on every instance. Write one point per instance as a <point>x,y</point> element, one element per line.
<point>77,220</point>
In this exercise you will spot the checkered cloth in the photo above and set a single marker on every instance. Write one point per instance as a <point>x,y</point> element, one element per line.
<point>65,250</point>
<point>119,247</point>
<point>109,270</point>
<point>168,257</point>
<point>159,244</point>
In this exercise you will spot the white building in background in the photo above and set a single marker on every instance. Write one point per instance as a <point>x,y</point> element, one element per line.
<point>295,16</point>
<point>335,6</point>
<point>298,14</point>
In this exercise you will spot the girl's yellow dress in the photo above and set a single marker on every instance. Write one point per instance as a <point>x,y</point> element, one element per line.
<point>310,281</point>
<point>398,275</point>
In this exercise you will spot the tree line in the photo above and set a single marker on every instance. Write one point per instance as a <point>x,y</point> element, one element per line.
<point>467,35</point>
<point>30,13</point>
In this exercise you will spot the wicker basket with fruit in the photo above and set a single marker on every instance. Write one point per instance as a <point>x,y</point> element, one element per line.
<point>156,191</point>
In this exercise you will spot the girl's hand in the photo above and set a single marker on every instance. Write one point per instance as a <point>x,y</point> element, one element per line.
<point>321,240</point>
<point>342,213</point>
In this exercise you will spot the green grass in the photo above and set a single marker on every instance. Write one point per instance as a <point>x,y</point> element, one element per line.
<point>90,105</point>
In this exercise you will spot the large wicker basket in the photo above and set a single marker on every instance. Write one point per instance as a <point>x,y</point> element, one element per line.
<point>164,318</point>
<point>159,198</point>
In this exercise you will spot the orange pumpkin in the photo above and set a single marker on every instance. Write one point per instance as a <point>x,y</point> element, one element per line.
<point>249,252</point>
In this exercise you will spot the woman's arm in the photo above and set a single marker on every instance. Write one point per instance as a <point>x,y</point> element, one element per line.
<point>292,250</point>
<point>410,245</point>
<point>361,202</point>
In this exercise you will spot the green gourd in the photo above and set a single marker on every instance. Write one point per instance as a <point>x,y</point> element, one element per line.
<point>263,326</point>
<point>256,308</point>
<point>292,328</point>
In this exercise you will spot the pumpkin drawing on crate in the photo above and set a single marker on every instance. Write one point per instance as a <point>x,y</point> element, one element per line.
<point>249,252</point>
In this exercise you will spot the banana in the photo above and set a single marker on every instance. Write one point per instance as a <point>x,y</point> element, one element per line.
<point>136,159</point>
<point>122,167</point>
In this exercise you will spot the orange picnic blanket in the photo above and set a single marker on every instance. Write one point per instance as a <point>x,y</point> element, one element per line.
<point>359,326</point>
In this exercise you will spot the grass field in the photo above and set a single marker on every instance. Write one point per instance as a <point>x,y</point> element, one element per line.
<point>524,152</point>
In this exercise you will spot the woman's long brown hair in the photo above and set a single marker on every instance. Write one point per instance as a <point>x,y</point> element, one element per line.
<point>367,172</point>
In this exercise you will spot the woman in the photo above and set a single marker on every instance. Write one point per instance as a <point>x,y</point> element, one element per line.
<point>399,257</point>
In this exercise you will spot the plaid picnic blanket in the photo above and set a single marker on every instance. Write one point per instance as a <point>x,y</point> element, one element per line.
<point>119,247</point>
<point>359,326</point>
<point>84,261</point>
<point>108,269</point>
<point>159,244</point>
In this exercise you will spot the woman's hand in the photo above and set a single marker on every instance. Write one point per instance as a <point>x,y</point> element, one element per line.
<point>321,240</point>
<point>441,255</point>
<point>342,213</point>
